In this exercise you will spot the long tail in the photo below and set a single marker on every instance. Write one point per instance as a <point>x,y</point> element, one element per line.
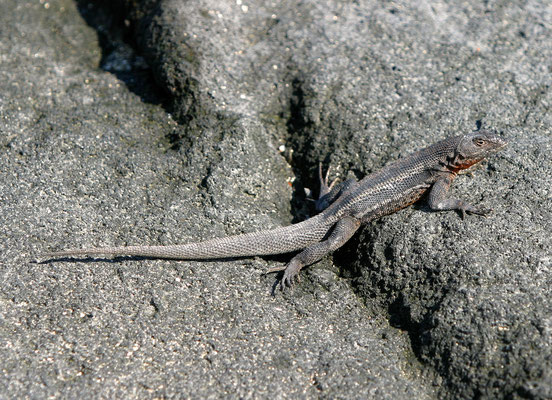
<point>277,241</point>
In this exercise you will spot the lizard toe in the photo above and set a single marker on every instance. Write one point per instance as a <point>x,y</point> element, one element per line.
<point>479,211</point>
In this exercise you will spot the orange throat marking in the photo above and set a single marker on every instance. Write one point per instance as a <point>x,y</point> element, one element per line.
<point>465,165</point>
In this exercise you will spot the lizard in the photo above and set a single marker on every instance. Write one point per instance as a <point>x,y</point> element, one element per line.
<point>343,208</point>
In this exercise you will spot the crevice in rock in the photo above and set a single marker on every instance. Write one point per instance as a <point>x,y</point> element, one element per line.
<point>120,54</point>
<point>297,127</point>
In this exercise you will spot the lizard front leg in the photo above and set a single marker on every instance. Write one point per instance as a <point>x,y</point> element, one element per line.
<point>438,201</point>
<point>340,234</point>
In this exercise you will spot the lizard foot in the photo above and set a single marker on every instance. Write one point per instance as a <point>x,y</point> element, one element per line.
<point>324,187</point>
<point>291,274</point>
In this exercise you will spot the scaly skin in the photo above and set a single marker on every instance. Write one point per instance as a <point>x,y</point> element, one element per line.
<point>343,208</point>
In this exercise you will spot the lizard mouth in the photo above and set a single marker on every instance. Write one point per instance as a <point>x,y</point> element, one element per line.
<point>501,143</point>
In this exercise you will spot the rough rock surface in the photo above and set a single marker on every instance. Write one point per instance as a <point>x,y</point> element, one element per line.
<point>166,121</point>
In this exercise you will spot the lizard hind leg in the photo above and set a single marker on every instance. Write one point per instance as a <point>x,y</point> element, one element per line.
<point>330,192</point>
<point>341,233</point>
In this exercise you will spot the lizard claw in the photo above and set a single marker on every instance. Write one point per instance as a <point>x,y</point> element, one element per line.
<point>324,187</point>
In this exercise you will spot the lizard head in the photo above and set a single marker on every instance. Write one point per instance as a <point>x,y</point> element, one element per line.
<point>474,147</point>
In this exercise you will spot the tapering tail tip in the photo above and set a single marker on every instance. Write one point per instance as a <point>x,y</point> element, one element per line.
<point>43,257</point>
<point>52,255</point>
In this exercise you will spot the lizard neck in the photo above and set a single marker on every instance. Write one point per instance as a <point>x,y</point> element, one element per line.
<point>458,162</point>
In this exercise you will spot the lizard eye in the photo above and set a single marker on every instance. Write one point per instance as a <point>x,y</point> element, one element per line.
<point>478,142</point>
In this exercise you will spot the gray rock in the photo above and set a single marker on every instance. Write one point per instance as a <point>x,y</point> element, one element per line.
<point>88,161</point>
<point>419,305</point>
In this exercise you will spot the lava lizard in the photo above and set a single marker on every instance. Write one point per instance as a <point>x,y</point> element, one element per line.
<point>343,208</point>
